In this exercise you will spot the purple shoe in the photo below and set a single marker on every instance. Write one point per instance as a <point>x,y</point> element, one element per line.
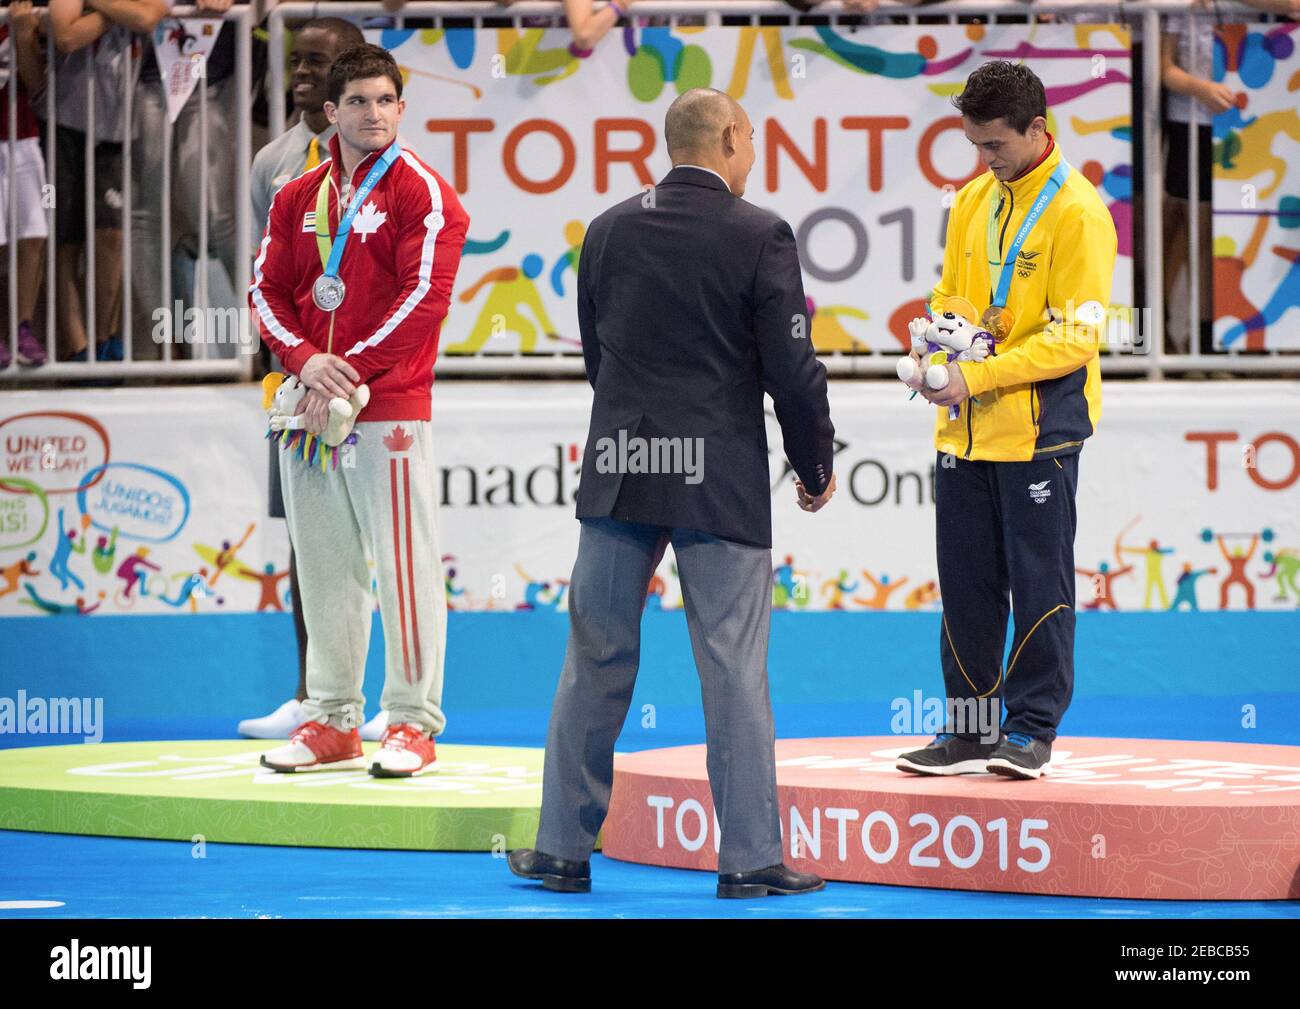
<point>30,351</point>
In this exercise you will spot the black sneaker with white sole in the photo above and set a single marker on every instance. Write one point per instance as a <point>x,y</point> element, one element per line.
<point>1020,755</point>
<point>948,754</point>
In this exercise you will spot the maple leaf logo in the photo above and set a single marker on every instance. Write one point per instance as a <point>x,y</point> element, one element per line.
<point>367,222</point>
<point>398,440</point>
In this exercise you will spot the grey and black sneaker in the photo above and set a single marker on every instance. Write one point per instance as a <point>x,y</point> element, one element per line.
<point>948,754</point>
<point>1021,756</point>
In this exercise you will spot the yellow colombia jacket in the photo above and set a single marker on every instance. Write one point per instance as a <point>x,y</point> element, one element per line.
<point>1039,394</point>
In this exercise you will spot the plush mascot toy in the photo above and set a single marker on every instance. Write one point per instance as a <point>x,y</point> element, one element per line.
<point>281,395</point>
<point>948,337</point>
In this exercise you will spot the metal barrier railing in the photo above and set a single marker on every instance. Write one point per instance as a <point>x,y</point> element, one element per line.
<point>1154,362</point>
<point>204,364</point>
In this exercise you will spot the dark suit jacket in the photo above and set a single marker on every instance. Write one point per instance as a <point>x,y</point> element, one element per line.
<point>690,309</point>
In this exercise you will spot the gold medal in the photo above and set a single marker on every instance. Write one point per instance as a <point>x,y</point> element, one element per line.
<point>999,321</point>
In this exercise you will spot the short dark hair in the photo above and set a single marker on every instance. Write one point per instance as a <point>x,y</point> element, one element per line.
<point>345,33</point>
<point>1003,90</point>
<point>361,63</point>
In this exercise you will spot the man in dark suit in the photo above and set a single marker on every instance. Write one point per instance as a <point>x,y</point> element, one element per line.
<point>691,306</point>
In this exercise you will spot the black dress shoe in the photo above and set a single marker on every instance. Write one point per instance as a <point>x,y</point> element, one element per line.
<point>762,882</point>
<point>558,874</point>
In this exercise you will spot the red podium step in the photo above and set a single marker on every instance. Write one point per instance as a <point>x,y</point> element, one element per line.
<point>1135,818</point>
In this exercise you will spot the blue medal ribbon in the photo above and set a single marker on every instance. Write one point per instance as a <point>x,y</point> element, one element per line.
<point>1045,196</point>
<point>371,180</point>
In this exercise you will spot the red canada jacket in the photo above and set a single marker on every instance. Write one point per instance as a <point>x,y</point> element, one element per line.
<point>398,267</point>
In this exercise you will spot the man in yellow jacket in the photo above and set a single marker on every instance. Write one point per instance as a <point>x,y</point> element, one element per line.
<point>1029,255</point>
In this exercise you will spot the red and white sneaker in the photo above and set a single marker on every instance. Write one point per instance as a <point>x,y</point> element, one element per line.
<point>315,746</point>
<point>405,750</point>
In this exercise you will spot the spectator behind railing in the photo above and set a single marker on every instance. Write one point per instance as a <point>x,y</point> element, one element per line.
<point>852,6</point>
<point>1186,61</point>
<point>94,39</point>
<point>589,22</point>
<point>26,175</point>
<point>316,45</point>
<point>186,177</point>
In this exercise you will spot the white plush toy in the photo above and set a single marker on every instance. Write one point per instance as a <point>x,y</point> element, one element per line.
<point>281,395</point>
<point>944,339</point>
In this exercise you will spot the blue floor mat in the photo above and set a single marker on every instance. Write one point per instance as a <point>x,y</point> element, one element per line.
<point>101,877</point>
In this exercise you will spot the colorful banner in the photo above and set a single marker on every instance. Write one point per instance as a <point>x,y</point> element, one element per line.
<point>1257,189</point>
<point>154,501</point>
<point>858,147</point>
<point>138,501</point>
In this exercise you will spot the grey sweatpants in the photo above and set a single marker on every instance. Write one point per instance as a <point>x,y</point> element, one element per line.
<point>377,507</point>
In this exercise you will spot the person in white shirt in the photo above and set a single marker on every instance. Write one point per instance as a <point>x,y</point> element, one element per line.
<point>316,45</point>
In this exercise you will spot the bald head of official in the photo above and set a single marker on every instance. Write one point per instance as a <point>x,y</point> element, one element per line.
<point>709,129</point>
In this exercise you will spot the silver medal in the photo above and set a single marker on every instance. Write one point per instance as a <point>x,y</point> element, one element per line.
<point>327,292</point>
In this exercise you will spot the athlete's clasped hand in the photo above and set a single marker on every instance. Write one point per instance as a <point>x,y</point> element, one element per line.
<point>330,374</point>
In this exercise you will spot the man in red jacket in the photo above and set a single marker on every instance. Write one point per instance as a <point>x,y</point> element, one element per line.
<point>350,286</point>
